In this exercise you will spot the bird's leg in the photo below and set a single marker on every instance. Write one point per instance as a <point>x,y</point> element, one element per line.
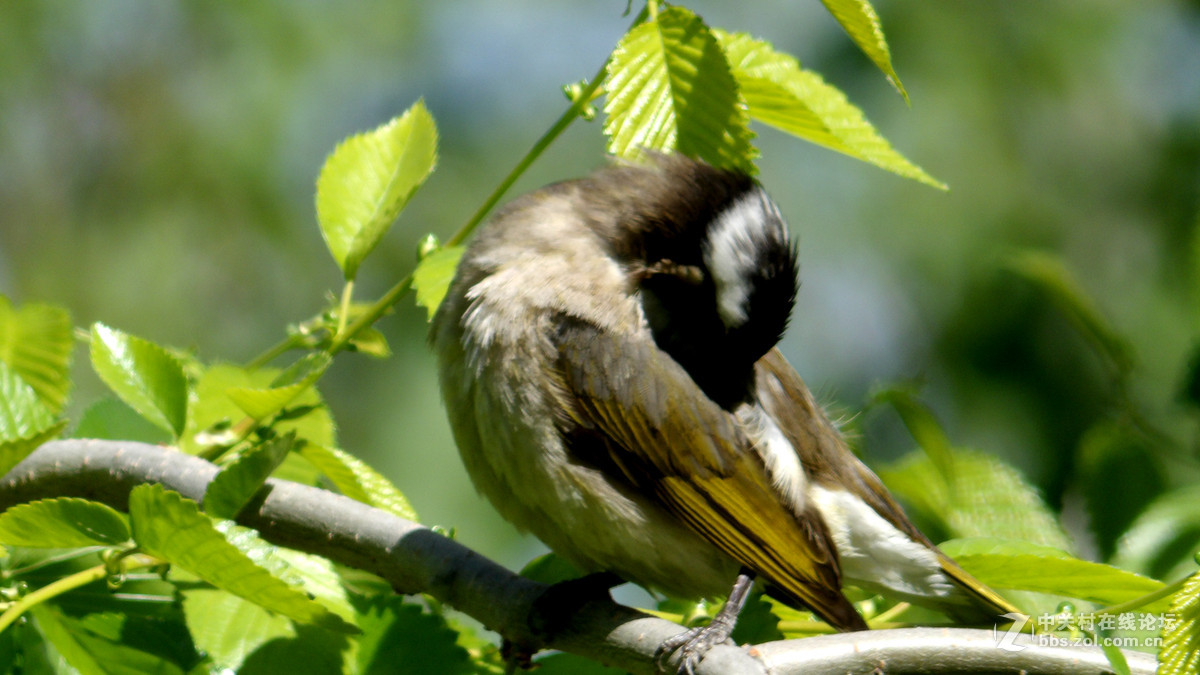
<point>696,642</point>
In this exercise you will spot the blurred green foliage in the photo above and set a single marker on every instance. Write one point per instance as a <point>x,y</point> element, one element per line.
<point>157,164</point>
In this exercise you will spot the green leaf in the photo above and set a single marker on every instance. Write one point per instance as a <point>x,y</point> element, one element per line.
<point>862,24</point>
<point>13,451</point>
<point>62,523</point>
<point>236,483</point>
<point>226,627</point>
<point>1180,654</point>
<point>143,374</point>
<point>367,181</point>
<point>756,623</point>
<point>211,410</point>
<point>562,663</point>
<point>50,624</point>
<point>89,653</point>
<point>669,88</point>
<point>922,425</point>
<point>1048,273</point>
<point>1020,565</point>
<point>779,93</point>
<point>371,341</point>
<point>171,527</point>
<point>36,342</point>
<point>550,568</point>
<point>262,404</point>
<point>1113,453</point>
<point>110,418</point>
<point>988,498</point>
<point>355,479</point>
<point>22,414</point>
<point>1163,538</point>
<point>433,275</point>
<point>400,632</point>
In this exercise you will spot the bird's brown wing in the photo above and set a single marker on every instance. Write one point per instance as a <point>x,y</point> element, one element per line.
<point>828,461</point>
<point>677,447</point>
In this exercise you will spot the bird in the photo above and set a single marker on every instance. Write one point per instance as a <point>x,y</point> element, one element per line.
<point>608,360</point>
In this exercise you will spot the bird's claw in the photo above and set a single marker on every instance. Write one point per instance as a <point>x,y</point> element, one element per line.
<point>692,645</point>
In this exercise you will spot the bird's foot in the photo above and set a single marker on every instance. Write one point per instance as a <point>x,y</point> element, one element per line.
<point>693,644</point>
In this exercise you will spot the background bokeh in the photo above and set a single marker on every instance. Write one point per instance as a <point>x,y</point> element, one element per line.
<point>158,159</point>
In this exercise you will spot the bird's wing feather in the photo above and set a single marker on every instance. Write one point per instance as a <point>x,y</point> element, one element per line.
<point>687,453</point>
<point>828,460</point>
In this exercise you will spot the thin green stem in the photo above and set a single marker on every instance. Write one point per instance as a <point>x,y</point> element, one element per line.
<point>344,312</point>
<point>376,310</point>
<point>283,346</point>
<point>581,102</point>
<point>66,584</point>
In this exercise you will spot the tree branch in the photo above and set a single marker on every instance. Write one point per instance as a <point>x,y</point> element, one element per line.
<point>414,559</point>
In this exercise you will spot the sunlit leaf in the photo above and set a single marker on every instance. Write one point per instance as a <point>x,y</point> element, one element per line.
<point>111,418</point>
<point>669,88</point>
<point>367,181</point>
<point>143,374</point>
<point>265,403</point>
<point>211,410</point>
<point>237,482</point>
<point>355,479</point>
<point>778,92</point>
<point>1020,565</point>
<point>36,341</point>
<point>433,275</point>
<point>987,498</point>
<point>1180,654</point>
<point>25,422</point>
<point>64,522</point>
<point>171,527</point>
<point>862,24</point>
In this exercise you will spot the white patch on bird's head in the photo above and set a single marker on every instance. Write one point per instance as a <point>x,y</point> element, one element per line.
<point>733,250</point>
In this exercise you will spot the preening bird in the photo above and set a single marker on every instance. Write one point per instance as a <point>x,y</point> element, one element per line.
<point>608,363</point>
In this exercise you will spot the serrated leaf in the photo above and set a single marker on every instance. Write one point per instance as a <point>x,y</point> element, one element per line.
<point>433,275</point>
<point>1180,654</point>
<point>62,523</point>
<point>210,408</point>
<point>110,418</point>
<point>226,627</point>
<point>50,624</point>
<point>669,88</point>
<point>262,404</point>
<point>1020,565</point>
<point>170,527</point>
<point>357,480</point>
<point>36,342</point>
<point>12,452</point>
<point>399,632</point>
<point>779,93</point>
<point>236,483</point>
<point>367,181</point>
<point>1048,272</point>
<point>988,498</point>
<point>22,413</point>
<point>143,374</point>
<point>89,653</point>
<point>862,24</point>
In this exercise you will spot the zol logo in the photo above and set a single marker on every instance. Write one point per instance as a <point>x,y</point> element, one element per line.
<point>1008,641</point>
